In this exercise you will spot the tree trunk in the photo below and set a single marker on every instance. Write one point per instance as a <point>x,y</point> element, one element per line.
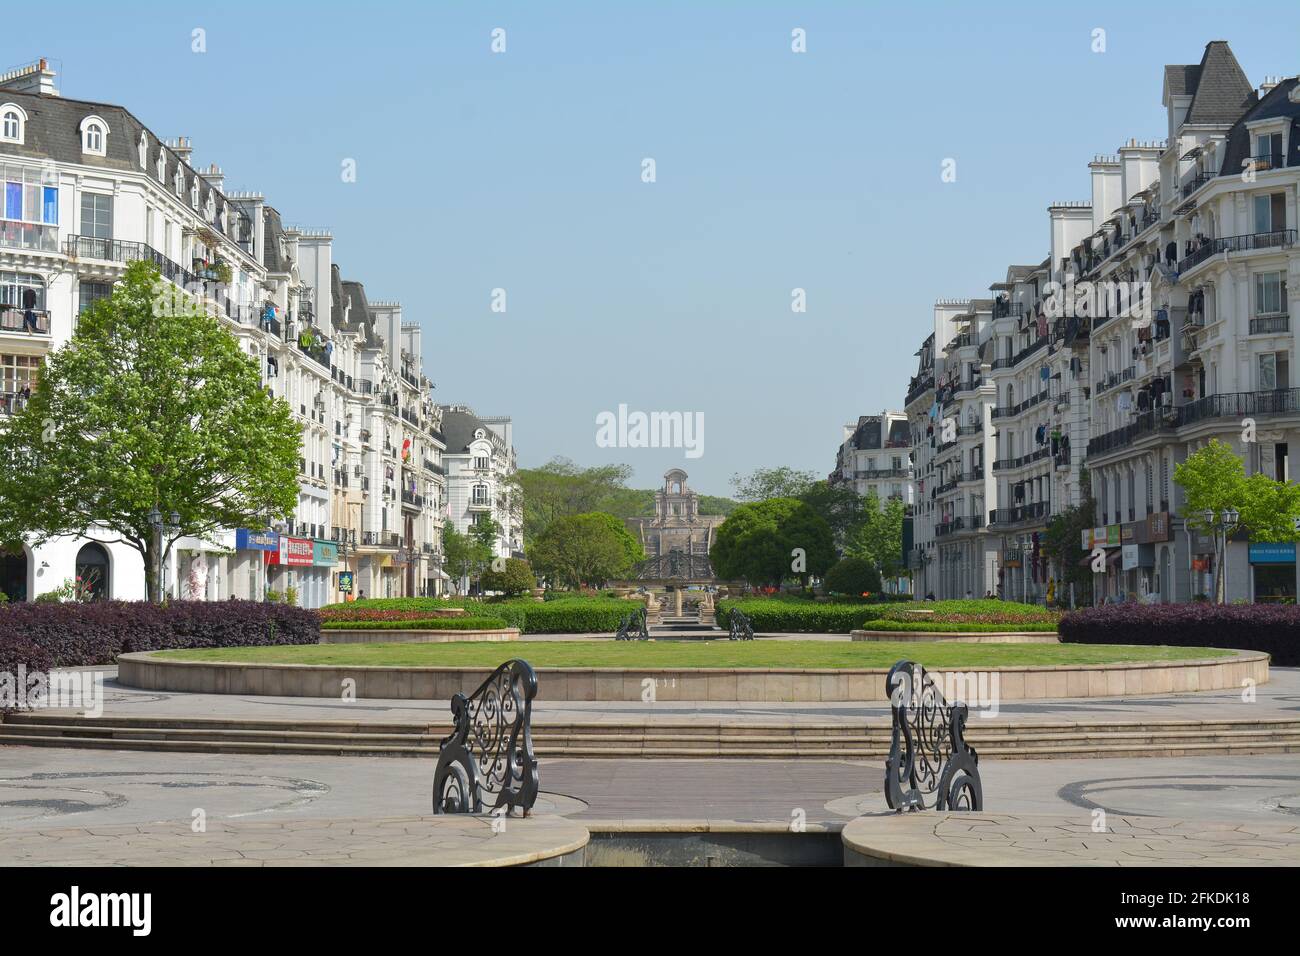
<point>151,582</point>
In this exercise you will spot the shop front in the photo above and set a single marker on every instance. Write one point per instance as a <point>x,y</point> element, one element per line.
<point>1137,561</point>
<point>1272,571</point>
<point>247,567</point>
<point>287,568</point>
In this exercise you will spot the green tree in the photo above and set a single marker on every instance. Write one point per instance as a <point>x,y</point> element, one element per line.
<point>840,507</point>
<point>593,548</point>
<point>1214,478</point>
<point>559,488</point>
<point>1063,545</point>
<point>515,577</point>
<point>877,535</point>
<point>763,484</point>
<point>466,556</point>
<point>150,404</point>
<point>768,542</point>
<point>853,576</point>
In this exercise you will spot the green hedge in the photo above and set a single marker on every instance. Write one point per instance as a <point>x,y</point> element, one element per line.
<point>776,615</point>
<point>565,615</point>
<point>403,604</point>
<point>786,615</point>
<point>420,624</point>
<point>884,624</point>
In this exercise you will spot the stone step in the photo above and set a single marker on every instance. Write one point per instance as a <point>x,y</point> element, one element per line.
<point>647,739</point>
<point>977,729</point>
<point>661,752</point>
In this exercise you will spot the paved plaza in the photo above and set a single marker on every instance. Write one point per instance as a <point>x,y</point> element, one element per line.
<point>1278,698</point>
<point>138,806</point>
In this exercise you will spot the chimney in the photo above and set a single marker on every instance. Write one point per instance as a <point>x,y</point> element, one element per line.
<point>1268,84</point>
<point>214,177</point>
<point>182,147</point>
<point>33,78</point>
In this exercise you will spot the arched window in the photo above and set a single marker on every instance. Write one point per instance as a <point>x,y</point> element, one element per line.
<point>94,136</point>
<point>92,571</point>
<point>12,120</point>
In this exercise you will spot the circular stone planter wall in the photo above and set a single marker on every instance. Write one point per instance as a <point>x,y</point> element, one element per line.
<point>393,636</point>
<point>147,671</point>
<point>968,637</point>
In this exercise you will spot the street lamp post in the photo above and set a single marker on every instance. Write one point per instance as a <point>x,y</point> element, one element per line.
<point>156,523</point>
<point>172,526</point>
<point>1221,525</point>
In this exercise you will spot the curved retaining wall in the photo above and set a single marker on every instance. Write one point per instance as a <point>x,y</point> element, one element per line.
<point>390,636</point>
<point>146,671</point>
<point>968,637</point>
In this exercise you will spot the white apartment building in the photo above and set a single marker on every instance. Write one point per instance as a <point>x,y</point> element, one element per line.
<point>89,189</point>
<point>480,466</point>
<point>1212,233</point>
<point>873,458</point>
<point>1159,320</point>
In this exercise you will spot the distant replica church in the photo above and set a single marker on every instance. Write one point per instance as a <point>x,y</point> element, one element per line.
<point>677,540</point>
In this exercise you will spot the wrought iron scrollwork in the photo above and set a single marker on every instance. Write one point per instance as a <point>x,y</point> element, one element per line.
<point>634,627</point>
<point>929,762</point>
<point>740,628</point>
<point>490,750</point>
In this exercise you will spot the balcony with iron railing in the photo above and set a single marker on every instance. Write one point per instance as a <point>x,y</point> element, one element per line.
<point>1267,161</point>
<point>413,500</point>
<point>14,318</point>
<point>1250,242</point>
<point>870,473</point>
<point>380,539</point>
<point>1194,183</point>
<point>1010,411</point>
<point>1006,464</point>
<point>1231,405</point>
<point>1270,324</point>
<point>1009,516</point>
<point>918,387</point>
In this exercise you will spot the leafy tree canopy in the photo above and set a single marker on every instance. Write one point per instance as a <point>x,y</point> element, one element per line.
<point>767,542</point>
<point>590,549</point>
<point>150,404</point>
<point>766,483</point>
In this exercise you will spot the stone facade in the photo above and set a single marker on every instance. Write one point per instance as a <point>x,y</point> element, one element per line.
<point>677,540</point>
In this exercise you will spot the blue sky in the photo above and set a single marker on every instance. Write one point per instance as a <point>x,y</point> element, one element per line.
<point>775,170</point>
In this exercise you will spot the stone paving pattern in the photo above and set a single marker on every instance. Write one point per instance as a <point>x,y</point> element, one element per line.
<point>1008,839</point>
<point>404,841</point>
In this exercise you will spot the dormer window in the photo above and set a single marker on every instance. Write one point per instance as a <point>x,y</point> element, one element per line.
<point>13,120</point>
<point>144,150</point>
<point>194,192</point>
<point>178,181</point>
<point>162,165</point>
<point>210,209</point>
<point>94,136</point>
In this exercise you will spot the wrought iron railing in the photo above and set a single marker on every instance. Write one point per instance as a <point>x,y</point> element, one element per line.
<point>1278,239</point>
<point>929,762</point>
<point>739,626</point>
<point>1270,324</point>
<point>633,627</point>
<point>489,753</point>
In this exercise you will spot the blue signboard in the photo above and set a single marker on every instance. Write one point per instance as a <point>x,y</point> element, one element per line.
<point>1273,552</point>
<point>246,540</point>
<point>345,581</point>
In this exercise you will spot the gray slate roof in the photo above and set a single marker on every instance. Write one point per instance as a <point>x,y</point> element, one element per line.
<point>458,429</point>
<point>1276,103</point>
<point>53,130</point>
<point>1218,86</point>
